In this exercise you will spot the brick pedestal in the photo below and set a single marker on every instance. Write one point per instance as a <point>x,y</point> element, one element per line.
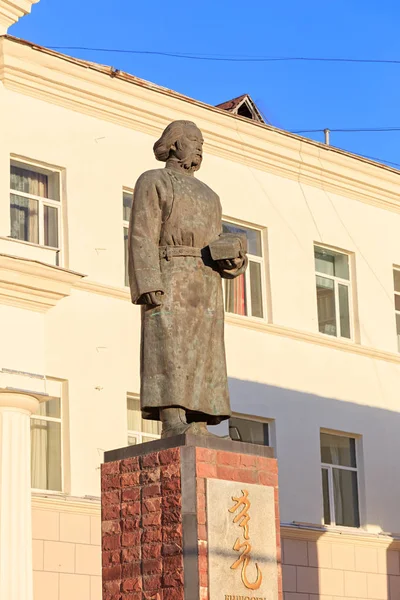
<point>154,516</point>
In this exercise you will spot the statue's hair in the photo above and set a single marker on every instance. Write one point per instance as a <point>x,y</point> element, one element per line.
<point>170,136</point>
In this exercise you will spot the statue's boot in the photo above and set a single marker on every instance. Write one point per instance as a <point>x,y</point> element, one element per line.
<point>173,422</point>
<point>200,428</point>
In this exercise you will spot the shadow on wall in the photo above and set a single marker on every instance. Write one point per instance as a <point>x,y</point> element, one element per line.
<point>341,565</point>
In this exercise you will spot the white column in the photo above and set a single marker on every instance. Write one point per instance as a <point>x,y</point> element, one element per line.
<point>15,496</point>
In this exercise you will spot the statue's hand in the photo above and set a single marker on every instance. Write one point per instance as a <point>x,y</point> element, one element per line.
<point>231,263</point>
<point>152,298</point>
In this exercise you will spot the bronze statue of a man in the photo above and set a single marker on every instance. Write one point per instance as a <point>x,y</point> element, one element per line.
<point>175,231</point>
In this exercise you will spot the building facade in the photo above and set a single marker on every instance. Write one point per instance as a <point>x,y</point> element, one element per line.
<point>311,332</point>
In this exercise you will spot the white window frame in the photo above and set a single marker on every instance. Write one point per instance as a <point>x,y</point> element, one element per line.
<point>258,259</point>
<point>139,435</point>
<point>37,417</point>
<point>125,225</point>
<point>256,419</point>
<point>328,467</point>
<point>337,281</point>
<point>397,312</point>
<point>42,202</point>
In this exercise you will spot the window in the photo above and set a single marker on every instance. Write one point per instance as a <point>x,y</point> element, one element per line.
<point>339,480</point>
<point>245,294</point>
<point>333,292</point>
<point>46,447</point>
<point>396,277</point>
<point>127,199</point>
<point>249,430</point>
<point>35,205</point>
<point>140,430</point>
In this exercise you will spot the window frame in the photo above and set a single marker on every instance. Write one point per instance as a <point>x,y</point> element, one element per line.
<point>139,435</point>
<point>337,281</point>
<point>60,420</point>
<point>125,225</point>
<point>261,260</point>
<point>255,419</point>
<point>396,312</point>
<point>42,202</point>
<point>329,468</point>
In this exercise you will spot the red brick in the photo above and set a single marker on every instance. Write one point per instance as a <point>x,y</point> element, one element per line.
<point>230,459</point>
<point>172,471</point>
<point>110,482</point>
<point>114,596</point>
<point>129,465</point>
<point>228,473</point>
<point>130,479</point>
<point>201,486</point>
<point>132,585</point>
<point>131,509</point>
<point>131,570</point>
<point>173,516</point>
<point>265,478</point>
<point>201,517</point>
<point>171,549</point>
<point>112,573</point>
<point>206,470</point>
<point>110,527</point>
<point>246,476</point>
<point>171,486</point>
<point>131,554</point>
<point>152,582</point>
<point>247,461</point>
<point>173,594</point>
<point>169,456</point>
<point>151,551</point>
<point>111,587</point>
<point>202,532</point>
<point>267,464</point>
<point>151,505</point>
<point>110,498</point>
<point>171,502</point>
<point>201,501</point>
<point>173,579</point>
<point>150,460</point>
<point>134,596</point>
<point>151,491</point>
<point>110,558</point>
<point>152,536</point>
<point>203,563</point>
<point>172,563</point>
<point>203,550</point>
<point>150,476</point>
<point>111,542</point>
<point>151,519</point>
<point>205,455</point>
<point>131,539</point>
<point>152,566</point>
<point>111,468</point>
<point>203,576</point>
<point>109,513</point>
<point>131,495</point>
<point>172,533</point>
<point>130,524</point>
<point>152,595</point>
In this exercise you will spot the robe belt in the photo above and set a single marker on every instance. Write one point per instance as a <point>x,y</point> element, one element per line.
<point>169,252</point>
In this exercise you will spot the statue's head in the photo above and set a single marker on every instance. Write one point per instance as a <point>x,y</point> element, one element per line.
<point>181,142</point>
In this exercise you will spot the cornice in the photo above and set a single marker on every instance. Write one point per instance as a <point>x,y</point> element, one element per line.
<point>68,504</point>
<point>142,106</point>
<point>12,10</point>
<point>257,325</point>
<point>33,285</point>
<point>358,537</point>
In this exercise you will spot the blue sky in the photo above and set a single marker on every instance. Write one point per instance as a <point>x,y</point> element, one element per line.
<point>293,95</point>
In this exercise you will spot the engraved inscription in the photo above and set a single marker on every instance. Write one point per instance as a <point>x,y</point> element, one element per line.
<point>243,505</point>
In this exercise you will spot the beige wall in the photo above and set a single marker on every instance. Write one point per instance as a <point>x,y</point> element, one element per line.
<point>334,566</point>
<point>66,550</point>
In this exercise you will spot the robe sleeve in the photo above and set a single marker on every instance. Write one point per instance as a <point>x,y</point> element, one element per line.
<point>144,235</point>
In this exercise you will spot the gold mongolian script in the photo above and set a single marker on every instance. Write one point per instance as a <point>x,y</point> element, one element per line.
<point>241,507</point>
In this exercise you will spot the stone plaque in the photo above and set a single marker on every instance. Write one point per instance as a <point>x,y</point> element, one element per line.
<point>242,561</point>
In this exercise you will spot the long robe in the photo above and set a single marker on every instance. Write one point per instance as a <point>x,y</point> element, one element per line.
<point>182,341</point>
